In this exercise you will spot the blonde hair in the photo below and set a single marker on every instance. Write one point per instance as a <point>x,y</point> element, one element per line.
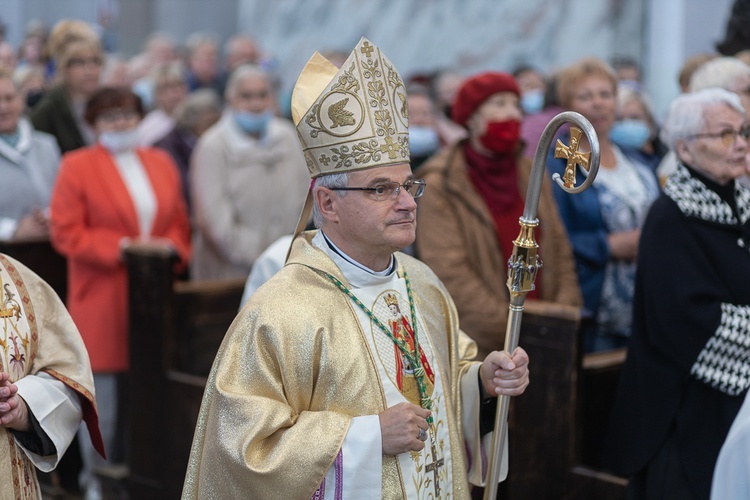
<point>66,32</point>
<point>572,76</point>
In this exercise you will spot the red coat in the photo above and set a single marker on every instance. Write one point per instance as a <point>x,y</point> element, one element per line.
<point>91,212</point>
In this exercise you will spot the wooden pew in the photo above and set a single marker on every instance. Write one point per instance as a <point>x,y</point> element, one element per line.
<point>556,426</point>
<point>39,256</point>
<point>177,327</point>
<point>175,331</point>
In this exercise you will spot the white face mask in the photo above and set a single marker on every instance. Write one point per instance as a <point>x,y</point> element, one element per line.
<point>117,142</point>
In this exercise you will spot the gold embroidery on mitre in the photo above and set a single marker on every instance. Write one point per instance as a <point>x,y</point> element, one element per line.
<point>353,119</point>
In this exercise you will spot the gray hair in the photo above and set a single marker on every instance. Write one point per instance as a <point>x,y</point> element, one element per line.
<point>687,113</point>
<point>168,74</point>
<point>721,72</point>
<point>329,181</point>
<point>197,40</point>
<point>626,94</point>
<point>242,72</point>
<point>195,104</point>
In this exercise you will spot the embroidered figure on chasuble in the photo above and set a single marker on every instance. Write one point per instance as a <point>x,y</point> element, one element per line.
<point>402,330</point>
<point>419,466</point>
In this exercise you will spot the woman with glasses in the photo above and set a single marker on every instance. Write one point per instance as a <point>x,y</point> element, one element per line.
<point>78,59</point>
<point>603,222</point>
<point>688,364</point>
<point>468,216</point>
<point>108,197</point>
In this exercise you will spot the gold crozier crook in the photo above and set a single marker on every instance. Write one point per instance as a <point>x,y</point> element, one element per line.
<point>524,264</point>
<point>573,156</point>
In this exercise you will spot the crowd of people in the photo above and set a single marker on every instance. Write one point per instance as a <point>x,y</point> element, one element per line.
<point>175,149</point>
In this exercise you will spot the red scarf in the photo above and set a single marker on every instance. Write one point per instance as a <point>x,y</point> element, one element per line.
<point>496,180</point>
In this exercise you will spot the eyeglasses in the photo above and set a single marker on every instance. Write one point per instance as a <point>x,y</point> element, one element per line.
<point>80,61</point>
<point>113,116</point>
<point>390,190</point>
<point>728,136</point>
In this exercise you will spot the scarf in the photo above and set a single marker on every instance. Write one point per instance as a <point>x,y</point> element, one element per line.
<point>496,181</point>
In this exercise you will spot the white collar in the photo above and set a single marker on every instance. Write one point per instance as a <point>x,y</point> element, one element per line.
<point>358,275</point>
<point>15,154</point>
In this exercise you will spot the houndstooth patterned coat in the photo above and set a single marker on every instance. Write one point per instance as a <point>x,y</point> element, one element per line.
<point>688,365</point>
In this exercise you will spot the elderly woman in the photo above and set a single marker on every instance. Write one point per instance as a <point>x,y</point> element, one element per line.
<point>28,167</point>
<point>603,222</point>
<point>247,177</point>
<point>169,91</point>
<point>78,60</point>
<point>468,219</point>
<point>686,373</point>
<point>108,197</point>
<point>635,129</point>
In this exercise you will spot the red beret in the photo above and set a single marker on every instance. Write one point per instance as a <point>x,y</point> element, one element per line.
<point>475,90</point>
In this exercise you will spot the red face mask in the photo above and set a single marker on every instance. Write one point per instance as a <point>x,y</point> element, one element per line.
<point>501,137</point>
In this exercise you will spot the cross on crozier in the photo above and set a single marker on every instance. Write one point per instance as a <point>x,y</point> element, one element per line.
<point>434,466</point>
<point>573,156</point>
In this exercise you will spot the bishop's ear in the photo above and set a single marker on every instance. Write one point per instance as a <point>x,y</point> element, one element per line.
<point>325,201</point>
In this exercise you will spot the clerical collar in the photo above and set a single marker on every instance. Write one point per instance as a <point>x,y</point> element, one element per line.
<point>356,274</point>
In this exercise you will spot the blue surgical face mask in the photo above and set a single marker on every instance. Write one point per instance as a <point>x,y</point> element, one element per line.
<point>630,133</point>
<point>253,123</point>
<point>119,141</point>
<point>532,101</point>
<point>423,141</point>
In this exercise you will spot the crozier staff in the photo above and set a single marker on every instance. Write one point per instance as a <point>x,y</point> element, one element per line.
<point>307,397</point>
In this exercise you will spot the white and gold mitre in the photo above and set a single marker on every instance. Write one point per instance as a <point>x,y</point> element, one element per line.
<point>351,118</point>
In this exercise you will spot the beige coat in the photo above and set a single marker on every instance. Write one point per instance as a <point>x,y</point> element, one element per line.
<point>246,194</point>
<point>456,238</point>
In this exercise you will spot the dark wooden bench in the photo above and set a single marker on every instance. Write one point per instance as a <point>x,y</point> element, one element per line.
<point>556,427</point>
<point>175,331</point>
<point>39,256</point>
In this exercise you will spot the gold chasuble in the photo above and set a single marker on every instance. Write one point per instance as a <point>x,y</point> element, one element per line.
<point>292,402</point>
<point>37,336</point>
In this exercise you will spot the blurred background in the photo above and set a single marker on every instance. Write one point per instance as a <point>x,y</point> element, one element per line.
<point>419,36</point>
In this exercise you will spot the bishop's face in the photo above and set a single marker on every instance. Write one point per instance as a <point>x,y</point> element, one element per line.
<point>370,230</point>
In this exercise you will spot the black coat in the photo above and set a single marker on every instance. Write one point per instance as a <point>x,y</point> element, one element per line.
<point>688,366</point>
<point>53,115</point>
<point>179,143</point>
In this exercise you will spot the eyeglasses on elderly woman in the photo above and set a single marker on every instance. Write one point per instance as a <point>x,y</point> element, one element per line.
<point>728,136</point>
